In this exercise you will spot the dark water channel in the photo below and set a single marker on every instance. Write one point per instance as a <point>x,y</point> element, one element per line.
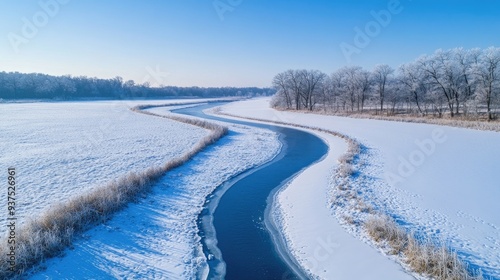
<point>238,237</point>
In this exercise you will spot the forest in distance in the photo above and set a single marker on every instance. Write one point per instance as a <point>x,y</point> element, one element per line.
<point>18,86</point>
<point>456,82</point>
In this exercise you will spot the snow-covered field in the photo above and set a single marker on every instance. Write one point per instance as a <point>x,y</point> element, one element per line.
<point>441,181</point>
<point>63,149</point>
<point>155,238</point>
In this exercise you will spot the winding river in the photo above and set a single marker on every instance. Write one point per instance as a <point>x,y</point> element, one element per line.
<point>238,235</point>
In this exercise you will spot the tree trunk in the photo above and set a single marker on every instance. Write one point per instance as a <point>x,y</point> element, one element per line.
<point>488,101</point>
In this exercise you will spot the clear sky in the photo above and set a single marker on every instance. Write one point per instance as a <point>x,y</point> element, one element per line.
<point>232,42</point>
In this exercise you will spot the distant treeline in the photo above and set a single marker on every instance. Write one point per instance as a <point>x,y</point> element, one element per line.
<point>14,85</point>
<point>458,82</point>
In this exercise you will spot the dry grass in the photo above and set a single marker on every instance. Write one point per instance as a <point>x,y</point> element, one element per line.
<point>381,228</point>
<point>463,122</point>
<point>423,256</point>
<point>346,170</point>
<point>346,158</point>
<point>343,186</point>
<point>349,219</point>
<point>363,207</point>
<point>53,231</point>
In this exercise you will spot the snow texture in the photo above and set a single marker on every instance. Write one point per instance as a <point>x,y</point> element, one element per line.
<point>438,181</point>
<point>157,237</point>
<point>63,149</point>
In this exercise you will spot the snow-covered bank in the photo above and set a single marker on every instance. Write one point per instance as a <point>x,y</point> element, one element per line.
<point>53,230</point>
<point>314,236</point>
<point>64,149</point>
<point>421,174</point>
<point>157,237</point>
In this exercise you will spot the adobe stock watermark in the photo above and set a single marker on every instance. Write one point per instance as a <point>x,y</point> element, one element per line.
<point>155,77</point>
<point>31,26</point>
<point>323,252</point>
<point>373,28</point>
<point>325,249</point>
<point>224,6</point>
<point>408,165</point>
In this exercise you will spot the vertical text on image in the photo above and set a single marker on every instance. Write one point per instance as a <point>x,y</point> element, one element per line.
<point>11,217</point>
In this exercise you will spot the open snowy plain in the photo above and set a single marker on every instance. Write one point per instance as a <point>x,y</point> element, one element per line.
<point>63,149</point>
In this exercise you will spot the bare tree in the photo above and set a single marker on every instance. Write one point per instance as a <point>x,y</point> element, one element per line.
<point>394,92</point>
<point>413,78</point>
<point>295,83</point>
<point>299,88</point>
<point>338,87</point>
<point>312,81</point>
<point>289,89</point>
<point>488,72</point>
<point>281,85</point>
<point>364,84</point>
<point>381,74</point>
<point>465,61</point>
<point>351,84</point>
<point>328,93</point>
<point>444,70</point>
<point>447,81</point>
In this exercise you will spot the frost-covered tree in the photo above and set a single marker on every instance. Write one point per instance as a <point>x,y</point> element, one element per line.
<point>301,89</point>
<point>455,82</point>
<point>381,75</point>
<point>283,97</point>
<point>351,84</point>
<point>487,70</point>
<point>313,82</point>
<point>338,90</point>
<point>413,79</point>
<point>442,75</point>
<point>466,59</point>
<point>364,80</point>
<point>14,85</point>
<point>394,94</point>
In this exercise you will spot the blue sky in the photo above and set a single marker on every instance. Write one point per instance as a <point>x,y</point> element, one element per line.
<point>231,42</point>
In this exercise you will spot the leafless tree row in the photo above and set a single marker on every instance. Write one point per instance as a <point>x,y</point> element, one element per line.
<point>455,82</point>
<point>300,89</point>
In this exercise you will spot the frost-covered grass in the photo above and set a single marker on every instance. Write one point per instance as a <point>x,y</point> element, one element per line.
<point>423,256</point>
<point>46,236</point>
<point>196,122</point>
<point>463,122</point>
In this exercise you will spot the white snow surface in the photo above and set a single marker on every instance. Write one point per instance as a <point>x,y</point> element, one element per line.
<point>62,149</point>
<point>157,237</point>
<point>440,181</point>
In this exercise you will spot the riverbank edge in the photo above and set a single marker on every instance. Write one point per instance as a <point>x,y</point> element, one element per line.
<point>409,262</point>
<point>272,219</point>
